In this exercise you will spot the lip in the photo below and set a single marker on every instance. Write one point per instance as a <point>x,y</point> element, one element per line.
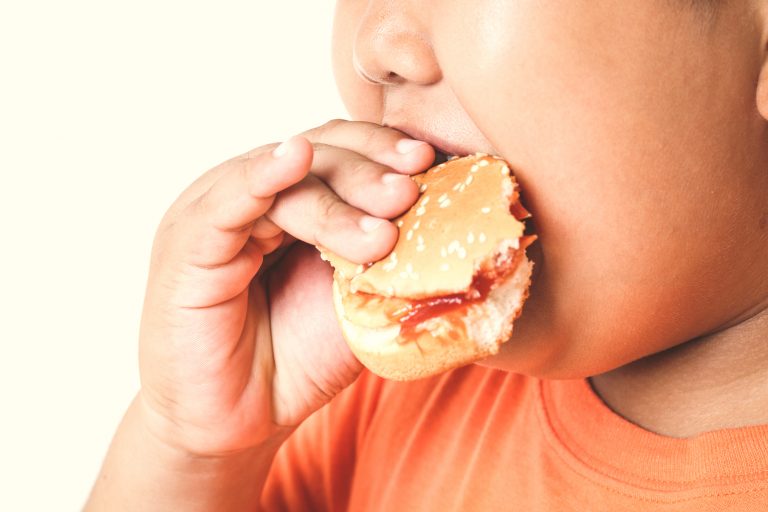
<point>440,144</point>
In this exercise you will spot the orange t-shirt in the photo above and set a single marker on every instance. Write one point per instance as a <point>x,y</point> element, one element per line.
<point>482,439</point>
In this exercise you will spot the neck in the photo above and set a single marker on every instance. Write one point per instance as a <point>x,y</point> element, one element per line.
<point>714,382</point>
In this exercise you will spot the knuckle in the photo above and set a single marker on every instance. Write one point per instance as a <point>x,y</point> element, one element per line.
<point>318,147</point>
<point>161,243</point>
<point>202,205</point>
<point>324,130</point>
<point>327,207</point>
<point>371,136</point>
<point>245,173</point>
<point>256,152</point>
<point>359,166</point>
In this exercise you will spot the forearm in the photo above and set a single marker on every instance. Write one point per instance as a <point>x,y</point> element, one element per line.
<point>142,473</point>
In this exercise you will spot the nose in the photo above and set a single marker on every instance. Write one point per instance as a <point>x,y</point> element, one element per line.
<point>391,45</point>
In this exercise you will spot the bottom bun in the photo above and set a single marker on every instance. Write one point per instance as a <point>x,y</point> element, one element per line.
<point>444,342</point>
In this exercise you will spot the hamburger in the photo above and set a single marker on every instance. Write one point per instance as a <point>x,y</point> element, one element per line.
<point>449,291</point>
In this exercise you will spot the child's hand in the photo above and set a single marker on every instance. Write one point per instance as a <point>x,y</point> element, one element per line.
<point>224,362</point>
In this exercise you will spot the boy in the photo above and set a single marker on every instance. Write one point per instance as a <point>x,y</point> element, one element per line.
<point>636,378</point>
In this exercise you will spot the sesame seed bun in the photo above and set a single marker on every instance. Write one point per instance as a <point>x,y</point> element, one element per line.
<point>459,263</point>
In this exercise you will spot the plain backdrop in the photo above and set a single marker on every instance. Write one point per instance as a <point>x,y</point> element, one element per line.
<point>108,110</point>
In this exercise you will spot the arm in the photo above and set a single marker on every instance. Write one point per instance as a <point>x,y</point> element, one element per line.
<point>141,472</point>
<point>229,366</point>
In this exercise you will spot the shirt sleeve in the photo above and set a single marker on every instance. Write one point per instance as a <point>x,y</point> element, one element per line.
<point>315,467</point>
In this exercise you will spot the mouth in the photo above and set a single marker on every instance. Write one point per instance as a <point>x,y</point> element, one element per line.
<point>444,152</point>
<point>442,156</point>
<point>445,147</point>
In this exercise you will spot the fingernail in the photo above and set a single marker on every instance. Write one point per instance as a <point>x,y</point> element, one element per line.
<point>391,177</point>
<point>405,146</point>
<point>368,223</point>
<point>280,150</point>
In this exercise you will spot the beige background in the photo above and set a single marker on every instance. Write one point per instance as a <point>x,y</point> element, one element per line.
<point>107,111</point>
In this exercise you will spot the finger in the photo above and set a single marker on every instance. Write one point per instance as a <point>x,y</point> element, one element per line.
<point>379,143</point>
<point>363,183</point>
<point>311,212</point>
<point>269,245</point>
<point>271,258</point>
<point>265,228</point>
<point>215,228</point>
<point>205,287</point>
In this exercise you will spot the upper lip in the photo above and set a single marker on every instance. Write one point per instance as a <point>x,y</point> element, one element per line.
<point>440,144</point>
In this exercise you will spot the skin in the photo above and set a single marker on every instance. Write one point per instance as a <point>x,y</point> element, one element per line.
<point>635,131</point>
<point>638,133</point>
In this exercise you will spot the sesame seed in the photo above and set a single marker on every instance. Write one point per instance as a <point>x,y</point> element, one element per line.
<point>454,246</point>
<point>391,263</point>
<point>425,200</point>
<point>443,252</point>
<point>420,240</point>
<point>456,186</point>
<point>420,211</point>
<point>470,237</point>
<point>505,170</point>
<point>469,179</point>
<point>474,168</point>
<point>420,248</point>
<point>442,198</point>
<point>445,204</point>
<point>359,269</point>
<point>423,188</point>
<point>462,252</point>
<point>400,223</point>
<point>417,224</point>
<point>481,238</point>
<point>462,187</point>
<point>409,235</point>
<point>483,163</point>
<point>485,209</point>
<point>445,267</point>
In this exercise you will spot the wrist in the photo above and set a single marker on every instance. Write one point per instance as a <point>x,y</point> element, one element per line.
<point>144,471</point>
<point>204,442</point>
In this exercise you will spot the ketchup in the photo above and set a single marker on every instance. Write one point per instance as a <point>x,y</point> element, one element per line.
<point>424,309</point>
<point>417,311</point>
<point>420,310</point>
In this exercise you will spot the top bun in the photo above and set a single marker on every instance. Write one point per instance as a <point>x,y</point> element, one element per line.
<point>451,288</point>
<point>461,218</point>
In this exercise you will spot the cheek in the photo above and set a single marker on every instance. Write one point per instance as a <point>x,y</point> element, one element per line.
<point>619,168</point>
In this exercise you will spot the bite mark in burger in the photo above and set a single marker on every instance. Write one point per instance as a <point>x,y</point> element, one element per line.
<point>456,280</point>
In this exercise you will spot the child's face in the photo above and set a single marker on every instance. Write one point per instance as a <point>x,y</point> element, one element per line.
<point>633,131</point>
